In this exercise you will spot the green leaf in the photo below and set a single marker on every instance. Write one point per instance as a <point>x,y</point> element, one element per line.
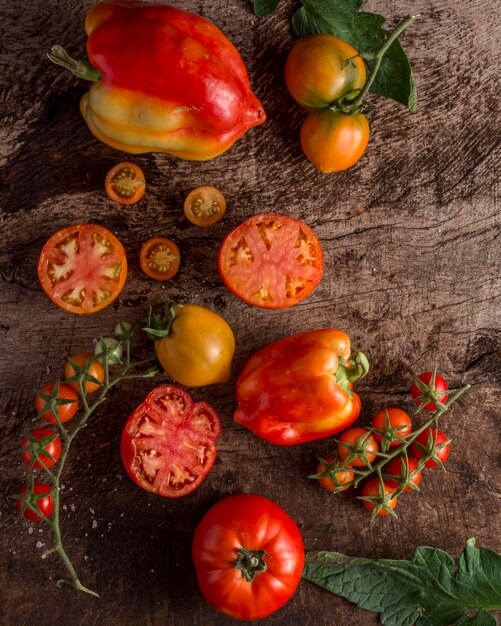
<point>425,591</point>
<point>480,619</point>
<point>365,32</point>
<point>264,7</point>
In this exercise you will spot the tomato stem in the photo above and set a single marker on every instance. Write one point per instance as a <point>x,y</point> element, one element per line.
<point>251,562</point>
<point>378,57</point>
<point>81,69</point>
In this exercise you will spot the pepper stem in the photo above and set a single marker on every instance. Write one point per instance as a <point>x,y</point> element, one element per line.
<point>378,57</point>
<point>251,562</point>
<point>81,69</point>
<point>350,371</point>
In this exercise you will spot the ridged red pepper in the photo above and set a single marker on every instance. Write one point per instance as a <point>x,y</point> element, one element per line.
<point>299,388</point>
<point>165,81</point>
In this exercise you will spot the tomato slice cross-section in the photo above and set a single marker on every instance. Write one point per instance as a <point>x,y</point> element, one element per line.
<point>271,261</point>
<point>160,258</point>
<point>82,268</point>
<point>169,442</point>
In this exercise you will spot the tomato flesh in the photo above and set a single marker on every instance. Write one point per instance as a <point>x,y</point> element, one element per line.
<point>168,443</point>
<point>204,206</point>
<point>82,268</point>
<point>160,258</point>
<point>271,261</point>
<point>125,183</point>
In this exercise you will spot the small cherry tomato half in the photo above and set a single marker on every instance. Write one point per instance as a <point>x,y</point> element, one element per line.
<point>360,443</point>
<point>204,206</point>
<point>37,439</point>
<point>64,411</point>
<point>82,268</point>
<point>334,141</point>
<point>44,504</point>
<point>271,261</point>
<point>394,423</point>
<point>248,555</point>
<point>95,370</point>
<point>440,385</point>
<point>320,69</point>
<point>160,258</point>
<point>372,489</point>
<point>169,442</point>
<point>396,469</point>
<point>428,438</point>
<point>339,477</point>
<point>125,183</point>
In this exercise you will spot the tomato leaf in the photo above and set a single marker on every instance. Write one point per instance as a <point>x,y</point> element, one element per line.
<point>264,7</point>
<point>428,590</point>
<point>365,32</point>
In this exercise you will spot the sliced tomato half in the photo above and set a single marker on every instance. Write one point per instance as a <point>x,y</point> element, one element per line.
<point>82,268</point>
<point>169,442</point>
<point>271,261</point>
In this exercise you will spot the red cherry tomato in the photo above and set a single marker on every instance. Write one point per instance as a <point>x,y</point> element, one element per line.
<point>397,419</point>
<point>440,385</point>
<point>372,489</point>
<point>125,183</point>
<point>396,468</point>
<point>82,268</point>
<point>425,439</point>
<point>160,258</point>
<point>271,261</point>
<point>169,442</point>
<point>53,448</point>
<point>205,206</point>
<point>365,449</point>
<point>44,505</point>
<point>341,477</point>
<point>65,412</point>
<point>248,555</point>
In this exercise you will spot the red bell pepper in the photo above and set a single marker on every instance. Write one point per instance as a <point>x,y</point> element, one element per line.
<point>165,81</point>
<point>299,388</point>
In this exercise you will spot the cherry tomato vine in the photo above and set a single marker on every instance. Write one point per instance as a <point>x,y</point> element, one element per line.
<point>38,501</point>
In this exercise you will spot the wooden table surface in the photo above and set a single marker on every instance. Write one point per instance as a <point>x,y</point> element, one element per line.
<point>411,242</point>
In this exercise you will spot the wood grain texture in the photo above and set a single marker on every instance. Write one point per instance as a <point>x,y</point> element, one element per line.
<point>412,248</point>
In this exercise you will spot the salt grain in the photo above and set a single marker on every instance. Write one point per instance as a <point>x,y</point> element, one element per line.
<point>94,523</point>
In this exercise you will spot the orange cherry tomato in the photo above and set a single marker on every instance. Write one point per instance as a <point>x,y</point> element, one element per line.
<point>95,370</point>
<point>334,141</point>
<point>64,411</point>
<point>160,258</point>
<point>341,477</point>
<point>372,488</point>
<point>359,442</point>
<point>204,206</point>
<point>125,183</point>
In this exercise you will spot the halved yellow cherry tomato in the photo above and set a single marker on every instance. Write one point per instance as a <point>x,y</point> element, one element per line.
<point>125,183</point>
<point>160,258</point>
<point>204,206</point>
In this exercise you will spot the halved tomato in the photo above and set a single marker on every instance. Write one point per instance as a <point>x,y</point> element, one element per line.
<point>204,206</point>
<point>82,268</point>
<point>271,261</point>
<point>125,183</point>
<point>159,258</point>
<point>169,442</point>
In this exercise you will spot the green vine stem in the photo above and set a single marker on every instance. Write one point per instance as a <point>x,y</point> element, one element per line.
<point>123,334</point>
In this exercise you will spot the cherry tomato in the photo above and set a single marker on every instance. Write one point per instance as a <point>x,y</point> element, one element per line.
<point>271,261</point>
<point>334,141</point>
<point>426,439</point>
<point>317,70</point>
<point>204,206</point>
<point>64,411</point>
<point>372,488</point>
<point>82,268</point>
<point>341,477</point>
<point>95,370</point>
<point>45,505</point>
<point>396,468</point>
<point>397,419</point>
<point>160,258</point>
<point>248,555</point>
<point>440,385</point>
<point>169,442</point>
<point>125,183</point>
<point>365,449</point>
<point>53,448</point>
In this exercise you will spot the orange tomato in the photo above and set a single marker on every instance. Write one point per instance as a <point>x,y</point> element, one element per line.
<point>160,258</point>
<point>204,206</point>
<point>95,370</point>
<point>125,183</point>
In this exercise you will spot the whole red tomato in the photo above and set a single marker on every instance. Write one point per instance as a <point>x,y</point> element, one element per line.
<point>249,556</point>
<point>433,393</point>
<point>427,439</point>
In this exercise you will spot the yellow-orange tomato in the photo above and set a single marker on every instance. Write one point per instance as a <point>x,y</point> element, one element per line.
<point>125,183</point>
<point>204,206</point>
<point>160,258</point>
<point>95,370</point>
<point>334,141</point>
<point>320,69</point>
<point>198,348</point>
